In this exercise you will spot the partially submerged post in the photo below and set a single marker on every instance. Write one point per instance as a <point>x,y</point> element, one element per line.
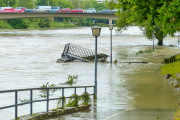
<point>96,32</point>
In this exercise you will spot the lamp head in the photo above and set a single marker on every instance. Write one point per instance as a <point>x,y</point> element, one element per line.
<point>111,27</point>
<point>96,31</point>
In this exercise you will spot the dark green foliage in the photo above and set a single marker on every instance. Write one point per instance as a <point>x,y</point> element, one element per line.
<point>122,23</point>
<point>44,91</point>
<point>159,16</point>
<point>71,79</point>
<point>115,61</point>
<point>111,5</point>
<point>59,104</point>
<point>19,23</point>
<point>85,98</point>
<point>73,102</point>
<point>45,22</point>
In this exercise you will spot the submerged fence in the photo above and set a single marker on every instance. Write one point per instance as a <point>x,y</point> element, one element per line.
<point>47,97</point>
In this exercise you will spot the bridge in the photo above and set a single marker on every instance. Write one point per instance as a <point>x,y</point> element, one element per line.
<point>5,16</point>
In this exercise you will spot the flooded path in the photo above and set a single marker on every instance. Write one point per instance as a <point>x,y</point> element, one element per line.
<point>125,91</point>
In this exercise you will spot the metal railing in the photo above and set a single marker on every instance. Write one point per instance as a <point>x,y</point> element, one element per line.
<point>76,52</point>
<point>33,101</point>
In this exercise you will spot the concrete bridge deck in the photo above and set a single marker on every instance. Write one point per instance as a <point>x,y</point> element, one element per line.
<point>4,16</point>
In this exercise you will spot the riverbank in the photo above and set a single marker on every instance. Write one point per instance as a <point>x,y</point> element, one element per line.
<point>171,72</point>
<point>35,24</point>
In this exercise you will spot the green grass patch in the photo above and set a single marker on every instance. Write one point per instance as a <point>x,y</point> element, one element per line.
<point>171,68</point>
<point>176,115</point>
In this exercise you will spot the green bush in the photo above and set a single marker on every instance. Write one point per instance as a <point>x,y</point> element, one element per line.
<point>45,22</point>
<point>19,23</point>
<point>5,25</point>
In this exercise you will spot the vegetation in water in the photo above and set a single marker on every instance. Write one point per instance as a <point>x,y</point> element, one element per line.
<point>24,100</point>
<point>44,91</point>
<point>141,52</point>
<point>59,103</point>
<point>85,98</point>
<point>100,57</point>
<point>73,102</point>
<point>34,114</point>
<point>115,61</point>
<point>71,79</point>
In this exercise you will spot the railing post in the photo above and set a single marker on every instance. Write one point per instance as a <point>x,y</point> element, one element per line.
<point>62,97</point>
<point>85,89</point>
<point>16,110</point>
<point>31,99</point>
<point>47,100</point>
<point>75,91</point>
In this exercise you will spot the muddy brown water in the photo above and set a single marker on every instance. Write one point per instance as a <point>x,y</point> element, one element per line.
<point>125,91</point>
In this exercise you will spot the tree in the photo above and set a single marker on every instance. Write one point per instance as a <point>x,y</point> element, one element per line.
<point>25,3</point>
<point>19,23</point>
<point>45,22</point>
<point>111,5</point>
<point>2,3</point>
<point>151,14</point>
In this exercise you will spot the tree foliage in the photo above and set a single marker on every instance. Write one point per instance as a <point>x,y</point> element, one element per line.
<point>111,5</point>
<point>45,22</point>
<point>163,13</point>
<point>161,16</point>
<point>19,23</point>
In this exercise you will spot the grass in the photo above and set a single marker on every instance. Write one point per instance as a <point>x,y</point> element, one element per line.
<point>171,68</point>
<point>176,115</point>
<point>171,59</point>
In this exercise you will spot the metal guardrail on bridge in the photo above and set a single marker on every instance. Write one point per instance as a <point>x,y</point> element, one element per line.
<point>33,101</point>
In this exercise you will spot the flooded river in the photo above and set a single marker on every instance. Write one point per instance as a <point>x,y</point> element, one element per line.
<point>126,91</point>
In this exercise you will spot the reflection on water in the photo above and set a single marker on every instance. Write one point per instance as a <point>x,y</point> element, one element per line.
<point>28,59</point>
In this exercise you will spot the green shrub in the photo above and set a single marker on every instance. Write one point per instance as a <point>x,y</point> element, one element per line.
<point>5,25</point>
<point>19,23</point>
<point>45,22</point>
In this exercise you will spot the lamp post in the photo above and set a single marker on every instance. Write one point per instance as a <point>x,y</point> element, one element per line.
<point>111,28</point>
<point>153,40</point>
<point>96,32</point>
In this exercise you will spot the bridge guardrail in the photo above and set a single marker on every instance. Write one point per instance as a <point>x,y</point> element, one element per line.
<point>33,101</point>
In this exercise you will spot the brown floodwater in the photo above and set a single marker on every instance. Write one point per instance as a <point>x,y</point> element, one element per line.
<point>126,91</point>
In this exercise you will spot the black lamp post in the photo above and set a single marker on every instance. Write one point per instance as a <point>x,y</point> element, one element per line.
<point>96,32</point>
<point>111,28</point>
